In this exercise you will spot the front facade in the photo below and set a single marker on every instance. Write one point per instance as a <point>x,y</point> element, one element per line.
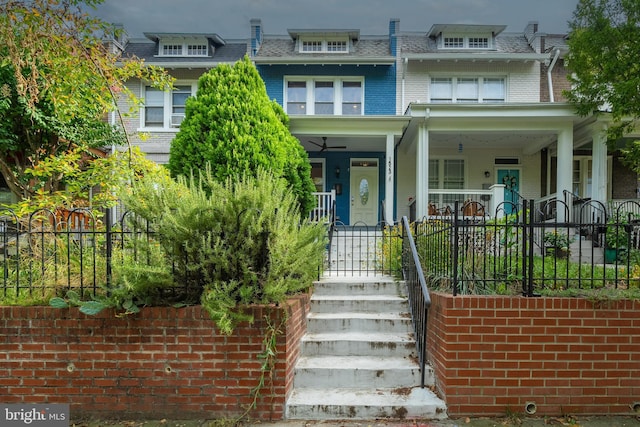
<point>408,123</point>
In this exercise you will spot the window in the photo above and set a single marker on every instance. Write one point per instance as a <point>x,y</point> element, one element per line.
<point>324,96</point>
<point>352,98</point>
<point>465,42</point>
<point>325,46</point>
<point>153,107</point>
<point>197,50</point>
<point>194,47</point>
<point>317,173</point>
<point>478,43</point>
<point>165,109</point>
<point>337,46</point>
<point>172,50</point>
<point>467,89</point>
<point>446,174</point>
<point>312,46</point>
<point>453,42</point>
<point>296,97</point>
<point>178,101</point>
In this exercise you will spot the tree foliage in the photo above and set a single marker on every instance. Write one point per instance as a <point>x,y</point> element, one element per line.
<point>232,125</point>
<point>231,243</point>
<point>604,42</point>
<point>57,81</point>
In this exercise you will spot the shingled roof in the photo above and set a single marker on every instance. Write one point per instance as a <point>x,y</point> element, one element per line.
<point>229,52</point>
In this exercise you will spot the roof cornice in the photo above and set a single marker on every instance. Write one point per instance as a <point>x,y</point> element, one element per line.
<point>477,56</point>
<point>339,59</point>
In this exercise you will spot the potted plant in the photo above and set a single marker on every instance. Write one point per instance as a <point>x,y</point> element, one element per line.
<point>616,238</point>
<point>557,243</point>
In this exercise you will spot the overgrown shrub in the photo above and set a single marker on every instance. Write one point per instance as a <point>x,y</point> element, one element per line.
<point>235,243</point>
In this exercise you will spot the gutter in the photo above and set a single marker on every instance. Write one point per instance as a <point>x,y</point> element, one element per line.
<point>549,79</point>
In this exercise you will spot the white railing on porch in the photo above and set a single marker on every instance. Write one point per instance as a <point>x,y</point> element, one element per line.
<point>444,199</point>
<point>324,205</point>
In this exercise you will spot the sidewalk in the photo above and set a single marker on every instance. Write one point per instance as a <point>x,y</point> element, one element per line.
<point>583,421</point>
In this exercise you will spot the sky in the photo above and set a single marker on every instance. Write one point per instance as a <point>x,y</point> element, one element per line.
<point>230,18</point>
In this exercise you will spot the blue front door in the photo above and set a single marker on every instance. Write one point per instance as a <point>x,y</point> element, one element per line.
<point>511,180</point>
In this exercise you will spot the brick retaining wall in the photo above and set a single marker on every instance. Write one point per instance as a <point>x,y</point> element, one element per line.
<point>160,363</point>
<point>495,354</point>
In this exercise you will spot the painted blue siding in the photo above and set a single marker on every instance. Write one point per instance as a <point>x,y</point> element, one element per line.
<point>379,82</point>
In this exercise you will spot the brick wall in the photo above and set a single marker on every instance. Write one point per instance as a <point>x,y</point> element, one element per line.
<point>624,181</point>
<point>569,356</point>
<point>162,362</point>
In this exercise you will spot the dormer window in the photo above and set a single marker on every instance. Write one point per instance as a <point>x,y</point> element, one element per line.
<point>465,36</point>
<point>186,45</point>
<point>323,46</point>
<point>184,49</point>
<point>478,42</point>
<point>464,42</point>
<point>453,42</point>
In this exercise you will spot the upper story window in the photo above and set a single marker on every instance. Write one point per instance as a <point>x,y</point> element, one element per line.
<point>465,42</point>
<point>328,96</point>
<point>165,109</point>
<point>179,48</point>
<point>324,46</point>
<point>453,42</point>
<point>468,89</point>
<point>478,42</point>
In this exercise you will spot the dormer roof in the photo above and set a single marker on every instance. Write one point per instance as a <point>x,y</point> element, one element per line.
<point>324,33</point>
<point>215,39</point>
<point>438,29</point>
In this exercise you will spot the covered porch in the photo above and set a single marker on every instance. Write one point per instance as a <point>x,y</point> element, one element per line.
<point>494,154</point>
<point>353,163</point>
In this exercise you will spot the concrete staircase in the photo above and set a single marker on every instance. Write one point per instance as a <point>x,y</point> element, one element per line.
<point>358,358</point>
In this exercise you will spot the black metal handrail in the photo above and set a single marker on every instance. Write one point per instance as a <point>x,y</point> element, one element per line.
<point>419,299</point>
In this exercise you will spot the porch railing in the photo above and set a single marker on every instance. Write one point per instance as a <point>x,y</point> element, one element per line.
<point>323,207</point>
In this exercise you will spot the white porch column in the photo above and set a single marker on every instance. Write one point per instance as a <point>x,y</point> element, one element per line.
<point>422,172</point>
<point>599,174</point>
<point>564,167</point>
<point>390,183</point>
<point>496,200</point>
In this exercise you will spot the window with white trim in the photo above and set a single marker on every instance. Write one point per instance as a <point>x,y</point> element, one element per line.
<point>468,89</point>
<point>324,96</point>
<point>324,45</point>
<point>453,42</point>
<point>446,174</point>
<point>465,42</point>
<point>165,109</point>
<point>193,47</point>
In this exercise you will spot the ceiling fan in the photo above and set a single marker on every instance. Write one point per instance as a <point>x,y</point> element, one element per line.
<point>324,146</point>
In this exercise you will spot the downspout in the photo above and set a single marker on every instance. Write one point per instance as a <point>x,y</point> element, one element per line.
<point>404,72</point>
<point>549,79</point>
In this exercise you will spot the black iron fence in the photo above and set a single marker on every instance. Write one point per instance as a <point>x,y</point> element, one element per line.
<point>52,252</point>
<point>558,246</point>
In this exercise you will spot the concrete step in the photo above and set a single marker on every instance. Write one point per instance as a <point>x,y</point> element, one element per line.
<point>362,304</point>
<point>364,404</point>
<point>358,286</point>
<point>357,343</point>
<point>356,321</point>
<point>365,371</point>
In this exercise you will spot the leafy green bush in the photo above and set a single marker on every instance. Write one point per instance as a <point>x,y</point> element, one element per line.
<point>232,125</point>
<point>234,243</point>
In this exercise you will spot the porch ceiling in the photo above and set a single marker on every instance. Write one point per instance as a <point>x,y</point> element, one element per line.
<point>362,133</point>
<point>491,139</point>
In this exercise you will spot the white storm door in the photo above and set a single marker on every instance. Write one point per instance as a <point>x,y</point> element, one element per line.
<point>364,192</point>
